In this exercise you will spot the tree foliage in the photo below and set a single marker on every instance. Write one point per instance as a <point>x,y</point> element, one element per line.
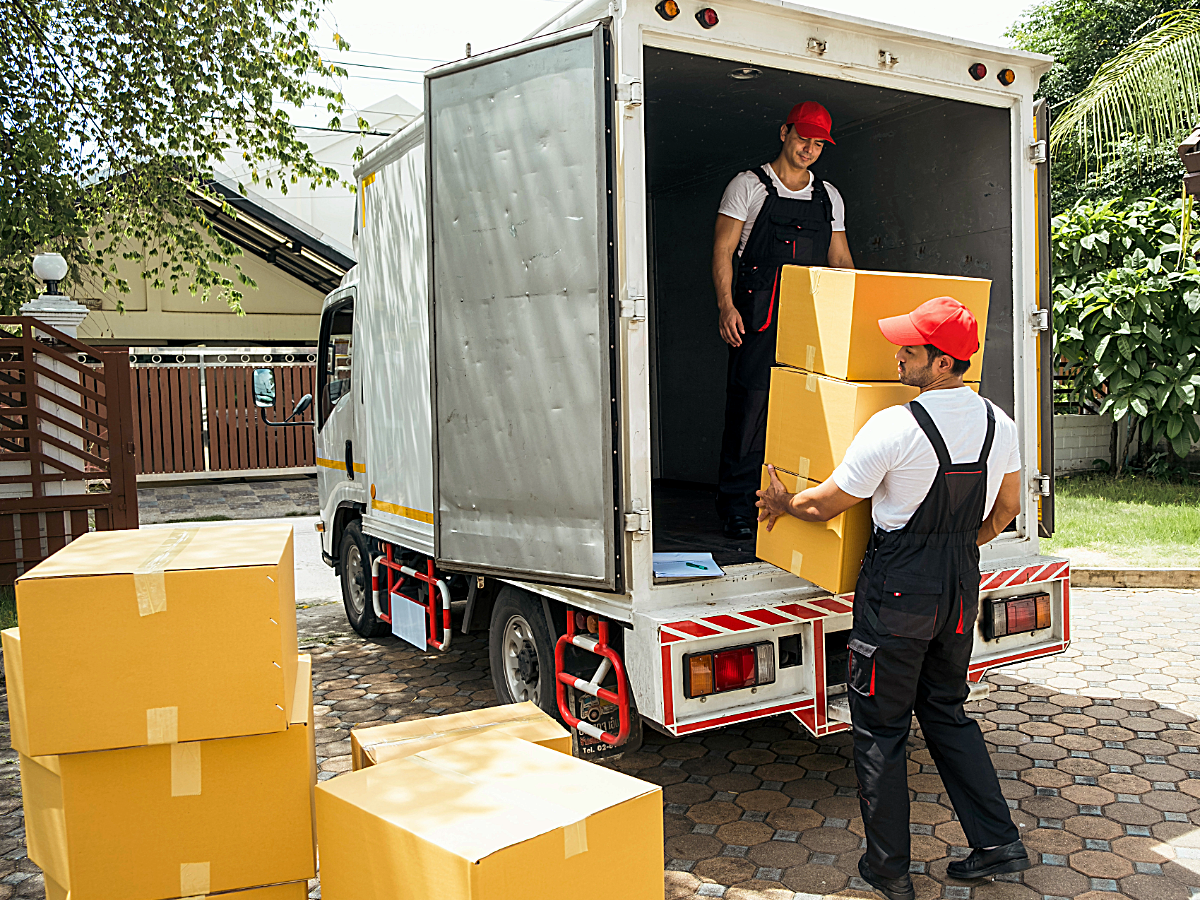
<point>1127,312</point>
<point>1084,36</point>
<point>113,114</point>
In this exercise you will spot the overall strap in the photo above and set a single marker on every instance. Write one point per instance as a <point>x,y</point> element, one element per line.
<point>819,193</point>
<point>991,431</point>
<point>761,172</point>
<point>935,437</point>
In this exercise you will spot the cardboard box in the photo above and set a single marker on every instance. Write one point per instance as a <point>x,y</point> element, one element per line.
<point>296,890</point>
<point>489,817</point>
<point>179,820</point>
<point>371,746</point>
<point>811,419</point>
<point>829,554</point>
<point>829,318</point>
<point>154,637</point>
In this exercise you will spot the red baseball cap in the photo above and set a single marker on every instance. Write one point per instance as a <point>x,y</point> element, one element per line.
<point>942,321</point>
<point>812,120</point>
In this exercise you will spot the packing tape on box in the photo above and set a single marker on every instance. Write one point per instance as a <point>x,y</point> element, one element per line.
<point>810,383</point>
<point>162,725</point>
<point>797,562</point>
<point>575,839</point>
<point>193,879</point>
<point>802,467</point>
<point>185,769</point>
<point>810,357</point>
<point>149,578</point>
<point>447,732</point>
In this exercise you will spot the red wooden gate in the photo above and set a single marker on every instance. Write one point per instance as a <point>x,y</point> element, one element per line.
<point>66,443</point>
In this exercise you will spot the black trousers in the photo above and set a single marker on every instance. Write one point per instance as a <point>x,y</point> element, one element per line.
<point>899,678</point>
<point>743,442</point>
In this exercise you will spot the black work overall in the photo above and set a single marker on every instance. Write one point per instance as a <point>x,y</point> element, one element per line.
<point>786,232</point>
<point>915,607</point>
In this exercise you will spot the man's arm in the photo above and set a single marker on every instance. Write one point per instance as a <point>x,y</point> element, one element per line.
<point>1008,504</point>
<point>725,242</point>
<point>819,504</point>
<point>839,251</point>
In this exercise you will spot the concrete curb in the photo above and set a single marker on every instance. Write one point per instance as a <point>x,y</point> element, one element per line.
<point>1135,578</point>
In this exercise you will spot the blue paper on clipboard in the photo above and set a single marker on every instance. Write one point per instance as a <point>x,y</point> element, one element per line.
<point>686,565</point>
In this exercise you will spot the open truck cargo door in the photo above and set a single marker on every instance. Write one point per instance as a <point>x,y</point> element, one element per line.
<point>1047,359</point>
<point>523,312</point>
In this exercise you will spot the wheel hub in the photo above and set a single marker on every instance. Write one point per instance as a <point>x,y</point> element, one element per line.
<point>522,673</point>
<point>527,663</point>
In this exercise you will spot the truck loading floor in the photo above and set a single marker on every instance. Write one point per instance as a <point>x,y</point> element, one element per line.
<point>685,521</point>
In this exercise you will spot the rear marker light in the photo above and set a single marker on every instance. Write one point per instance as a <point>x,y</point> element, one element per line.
<point>707,17</point>
<point>1017,615</point>
<point>734,669</point>
<point>1006,76</point>
<point>977,71</point>
<point>668,9</point>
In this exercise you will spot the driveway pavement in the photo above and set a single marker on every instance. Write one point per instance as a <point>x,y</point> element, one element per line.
<point>1097,751</point>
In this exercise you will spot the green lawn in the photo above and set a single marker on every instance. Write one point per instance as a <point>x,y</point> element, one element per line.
<point>1105,520</point>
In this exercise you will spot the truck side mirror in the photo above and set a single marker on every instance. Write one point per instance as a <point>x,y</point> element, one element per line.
<point>264,389</point>
<point>301,405</point>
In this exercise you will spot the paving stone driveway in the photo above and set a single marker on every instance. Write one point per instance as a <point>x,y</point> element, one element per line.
<point>1097,750</point>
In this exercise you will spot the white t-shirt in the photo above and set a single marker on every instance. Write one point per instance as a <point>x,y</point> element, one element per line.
<point>745,195</point>
<point>891,460</point>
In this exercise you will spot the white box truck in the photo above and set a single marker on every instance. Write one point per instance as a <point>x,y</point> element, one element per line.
<point>520,385</point>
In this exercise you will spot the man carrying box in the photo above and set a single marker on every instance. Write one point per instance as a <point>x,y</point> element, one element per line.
<point>943,475</point>
<point>778,214</point>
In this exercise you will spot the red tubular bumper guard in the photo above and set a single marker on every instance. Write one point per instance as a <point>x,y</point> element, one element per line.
<point>610,661</point>
<point>437,594</point>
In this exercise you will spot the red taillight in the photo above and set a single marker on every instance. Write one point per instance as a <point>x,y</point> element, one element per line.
<point>734,669</point>
<point>977,71</point>
<point>707,17</point>
<point>715,672</point>
<point>1018,615</point>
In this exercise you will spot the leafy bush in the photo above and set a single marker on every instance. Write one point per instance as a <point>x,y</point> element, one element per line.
<point>1127,311</point>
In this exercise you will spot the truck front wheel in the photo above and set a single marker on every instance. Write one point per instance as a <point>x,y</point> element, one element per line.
<point>521,651</point>
<point>356,583</point>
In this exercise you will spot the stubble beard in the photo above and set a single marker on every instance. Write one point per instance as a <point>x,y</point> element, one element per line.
<point>916,377</point>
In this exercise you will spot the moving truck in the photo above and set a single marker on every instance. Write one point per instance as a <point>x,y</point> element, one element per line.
<point>521,384</point>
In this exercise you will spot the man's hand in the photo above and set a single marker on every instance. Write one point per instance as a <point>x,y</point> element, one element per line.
<point>774,502</point>
<point>732,328</point>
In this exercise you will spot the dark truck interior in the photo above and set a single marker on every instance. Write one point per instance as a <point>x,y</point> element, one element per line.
<point>927,185</point>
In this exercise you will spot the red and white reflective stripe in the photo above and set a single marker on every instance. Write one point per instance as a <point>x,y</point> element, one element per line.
<point>746,620</point>
<point>1033,653</point>
<point>1050,571</point>
<point>718,721</point>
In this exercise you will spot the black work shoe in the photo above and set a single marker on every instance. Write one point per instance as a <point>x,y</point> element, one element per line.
<point>893,888</point>
<point>981,863</point>
<point>738,528</point>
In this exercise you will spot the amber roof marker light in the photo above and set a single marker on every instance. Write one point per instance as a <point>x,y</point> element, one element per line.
<point>1006,77</point>
<point>668,9</point>
<point>707,17</point>
<point>977,71</point>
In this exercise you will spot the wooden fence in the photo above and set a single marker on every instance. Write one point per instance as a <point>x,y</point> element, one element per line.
<point>195,412</point>
<point>66,443</point>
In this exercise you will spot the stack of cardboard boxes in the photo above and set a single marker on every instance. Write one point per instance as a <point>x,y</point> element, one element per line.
<point>836,371</point>
<point>163,716</point>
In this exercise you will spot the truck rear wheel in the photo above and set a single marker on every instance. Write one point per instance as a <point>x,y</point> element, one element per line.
<point>356,583</point>
<point>521,651</point>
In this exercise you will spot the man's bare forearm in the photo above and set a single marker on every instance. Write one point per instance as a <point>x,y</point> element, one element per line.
<point>723,280</point>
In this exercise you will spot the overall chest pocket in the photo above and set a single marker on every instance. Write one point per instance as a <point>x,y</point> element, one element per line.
<point>909,605</point>
<point>792,241</point>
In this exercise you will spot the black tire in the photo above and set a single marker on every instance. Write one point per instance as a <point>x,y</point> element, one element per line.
<point>521,651</point>
<point>355,558</point>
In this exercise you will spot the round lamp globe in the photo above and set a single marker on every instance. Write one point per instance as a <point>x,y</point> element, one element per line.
<point>50,267</point>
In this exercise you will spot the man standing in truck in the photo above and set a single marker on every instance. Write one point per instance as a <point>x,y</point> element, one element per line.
<point>777,214</point>
<point>943,475</point>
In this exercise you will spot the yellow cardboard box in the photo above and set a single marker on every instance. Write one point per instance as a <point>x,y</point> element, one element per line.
<point>829,554</point>
<point>296,890</point>
<point>177,820</point>
<point>371,746</point>
<point>811,419</point>
<point>154,637</point>
<point>489,817</point>
<point>829,318</point>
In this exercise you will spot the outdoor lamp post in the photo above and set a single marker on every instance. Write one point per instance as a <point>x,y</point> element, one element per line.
<point>53,307</point>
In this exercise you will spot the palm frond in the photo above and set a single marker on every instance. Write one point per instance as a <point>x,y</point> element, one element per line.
<point>1150,89</point>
